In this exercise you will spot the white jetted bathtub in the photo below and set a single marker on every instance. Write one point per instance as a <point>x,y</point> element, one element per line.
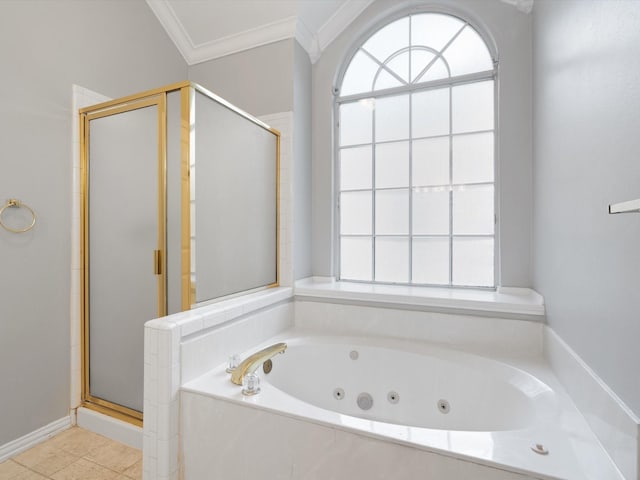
<point>355,408</point>
<point>416,386</point>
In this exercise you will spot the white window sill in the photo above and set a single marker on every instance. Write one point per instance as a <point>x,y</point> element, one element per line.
<point>515,301</point>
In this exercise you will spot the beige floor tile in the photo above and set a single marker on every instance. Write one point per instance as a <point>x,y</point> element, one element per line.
<point>134,471</point>
<point>84,470</point>
<point>45,459</point>
<point>29,475</point>
<point>10,469</point>
<point>115,456</point>
<point>78,441</point>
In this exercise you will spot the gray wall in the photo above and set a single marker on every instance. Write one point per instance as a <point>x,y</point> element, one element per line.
<point>259,80</point>
<point>511,31</point>
<point>115,48</point>
<point>587,155</point>
<point>301,163</point>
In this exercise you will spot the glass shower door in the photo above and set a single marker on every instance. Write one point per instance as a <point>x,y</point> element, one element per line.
<point>125,284</point>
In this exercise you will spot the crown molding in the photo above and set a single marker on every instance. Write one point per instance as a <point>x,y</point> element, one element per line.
<point>194,54</point>
<point>290,27</point>
<point>308,40</point>
<point>339,21</point>
<point>525,6</point>
<point>263,35</point>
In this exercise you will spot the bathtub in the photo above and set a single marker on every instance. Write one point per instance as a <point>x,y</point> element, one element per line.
<point>410,385</point>
<point>349,408</point>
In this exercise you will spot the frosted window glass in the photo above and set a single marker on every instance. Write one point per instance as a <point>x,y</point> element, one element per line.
<point>389,40</point>
<point>430,261</point>
<point>419,60</point>
<point>356,122</point>
<point>355,258</point>
<point>473,210</point>
<point>392,118</point>
<point>468,54</point>
<point>473,262</point>
<point>355,213</point>
<point>431,211</point>
<point>431,162</point>
<point>430,113</point>
<point>355,168</point>
<point>473,158</point>
<point>392,165</point>
<point>392,211</point>
<point>400,66</point>
<point>472,106</point>
<point>434,30</point>
<point>392,260</point>
<point>436,71</point>
<point>359,76</point>
<point>386,80</point>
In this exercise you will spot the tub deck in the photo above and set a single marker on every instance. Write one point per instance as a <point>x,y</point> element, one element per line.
<point>574,452</point>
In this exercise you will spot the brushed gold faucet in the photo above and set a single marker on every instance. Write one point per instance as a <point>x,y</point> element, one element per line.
<point>251,363</point>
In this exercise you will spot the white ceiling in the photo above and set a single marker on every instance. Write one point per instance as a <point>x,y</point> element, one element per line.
<point>207,29</point>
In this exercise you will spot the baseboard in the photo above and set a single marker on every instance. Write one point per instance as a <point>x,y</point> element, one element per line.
<point>109,427</point>
<point>615,425</point>
<point>32,439</point>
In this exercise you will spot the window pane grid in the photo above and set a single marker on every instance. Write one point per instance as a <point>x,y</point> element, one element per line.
<point>393,237</point>
<point>430,85</point>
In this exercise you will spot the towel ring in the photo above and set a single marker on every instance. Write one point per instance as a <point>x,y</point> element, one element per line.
<point>15,203</point>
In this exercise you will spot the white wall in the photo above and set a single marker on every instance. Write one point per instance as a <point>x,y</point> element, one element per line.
<point>587,155</point>
<point>511,31</point>
<point>116,48</point>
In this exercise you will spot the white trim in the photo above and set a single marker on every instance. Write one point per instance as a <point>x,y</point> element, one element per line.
<point>110,427</point>
<point>513,290</point>
<point>290,27</point>
<point>340,20</point>
<point>525,6</point>
<point>194,54</point>
<point>526,302</point>
<point>269,33</point>
<point>32,439</point>
<point>610,419</point>
<point>309,41</point>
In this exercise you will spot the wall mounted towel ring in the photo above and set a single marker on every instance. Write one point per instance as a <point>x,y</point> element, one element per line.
<point>15,203</point>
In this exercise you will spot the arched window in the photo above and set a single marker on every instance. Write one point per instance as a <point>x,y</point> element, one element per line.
<point>416,167</point>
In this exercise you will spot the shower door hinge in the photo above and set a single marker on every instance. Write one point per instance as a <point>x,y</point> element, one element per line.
<point>157,262</point>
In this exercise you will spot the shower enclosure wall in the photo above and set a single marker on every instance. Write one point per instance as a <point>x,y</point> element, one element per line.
<point>179,207</point>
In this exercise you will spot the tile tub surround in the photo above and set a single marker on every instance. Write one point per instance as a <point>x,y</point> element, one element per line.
<point>201,339</point>
<point>75,454</point>
<point>615,425</point>
<point>183,346</point>
<point>298,429</point>
<point>276,446</point>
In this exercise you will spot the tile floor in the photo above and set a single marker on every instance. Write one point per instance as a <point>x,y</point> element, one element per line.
<point>75,454</point>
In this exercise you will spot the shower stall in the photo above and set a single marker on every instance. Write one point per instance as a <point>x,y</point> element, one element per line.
<point>179,206</point>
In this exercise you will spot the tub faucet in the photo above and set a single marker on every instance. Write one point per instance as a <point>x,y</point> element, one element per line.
<point>251,363</point>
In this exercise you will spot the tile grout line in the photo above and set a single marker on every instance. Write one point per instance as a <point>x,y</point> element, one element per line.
<point>76,458</point>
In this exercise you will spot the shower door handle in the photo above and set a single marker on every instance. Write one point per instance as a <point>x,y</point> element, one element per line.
<point>157,262</point>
